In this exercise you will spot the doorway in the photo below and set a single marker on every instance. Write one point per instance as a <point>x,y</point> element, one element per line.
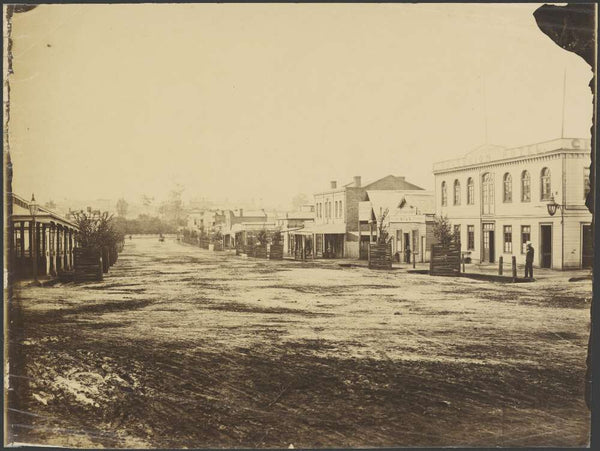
<point>546,245</point>
<point>489,240</point>
<point>587,252</point>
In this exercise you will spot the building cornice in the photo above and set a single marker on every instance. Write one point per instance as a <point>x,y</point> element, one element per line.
<point>515,156</point>
<point>555,154</point>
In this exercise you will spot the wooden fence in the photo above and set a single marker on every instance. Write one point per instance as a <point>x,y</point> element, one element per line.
<point>88,265</point>
<point>260,251</point>
<point>276,252</point>
<point>380,256</point>
<point>445,260</point>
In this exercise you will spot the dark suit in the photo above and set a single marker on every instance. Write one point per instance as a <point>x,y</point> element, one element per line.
<point>529,262</point>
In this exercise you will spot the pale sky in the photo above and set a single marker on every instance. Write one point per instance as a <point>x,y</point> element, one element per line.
<point>268,101</point>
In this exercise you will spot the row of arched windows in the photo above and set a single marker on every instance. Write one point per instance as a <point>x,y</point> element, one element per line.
<point>487,183</point>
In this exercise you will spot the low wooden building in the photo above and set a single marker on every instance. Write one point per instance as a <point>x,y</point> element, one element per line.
<point>409,222</point>
<point>51,237</point>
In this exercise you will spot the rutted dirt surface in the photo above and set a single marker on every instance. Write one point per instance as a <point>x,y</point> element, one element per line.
<point>182,347</point>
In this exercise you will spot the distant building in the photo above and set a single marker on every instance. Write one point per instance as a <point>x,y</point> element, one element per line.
<point>292,222</point>
<point>497,200</point>
<point>241,226</point>
<point>195,220</point>
<point>336,232</point>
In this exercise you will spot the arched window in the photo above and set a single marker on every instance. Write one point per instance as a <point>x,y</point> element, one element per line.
<point>507,192</point>
<point>546,190</point>
<point>487,187</point>
<point>444,195</point>
<point>470,191</point>
<point>456,192</point>
<point>525,187</point>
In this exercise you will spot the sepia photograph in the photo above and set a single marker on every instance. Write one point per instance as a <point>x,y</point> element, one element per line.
<point>298,225</point>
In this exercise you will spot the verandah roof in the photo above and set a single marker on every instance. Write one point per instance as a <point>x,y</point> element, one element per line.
<point>326,229</point>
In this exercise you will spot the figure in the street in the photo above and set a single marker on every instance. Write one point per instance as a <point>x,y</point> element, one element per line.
<point>407,253</point>
<point>529,261</point>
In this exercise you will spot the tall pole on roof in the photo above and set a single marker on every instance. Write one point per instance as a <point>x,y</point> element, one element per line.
<point>562,130</point>
<point>485,120</point>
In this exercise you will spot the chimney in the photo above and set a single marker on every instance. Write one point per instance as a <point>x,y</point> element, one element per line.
<point>357,181</point>
<point>333,184</point>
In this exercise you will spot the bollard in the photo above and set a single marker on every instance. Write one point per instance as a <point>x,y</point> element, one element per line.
<point>500,263</point>
<point>514,268</point>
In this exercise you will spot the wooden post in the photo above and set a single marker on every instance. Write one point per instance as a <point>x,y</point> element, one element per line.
<point>414,259</point>
<point>462,258</point>
<point>303,253</point>
<point>514,268</point>
<point>500,262</point>
<point>33,248</point>
<point>314,245</point>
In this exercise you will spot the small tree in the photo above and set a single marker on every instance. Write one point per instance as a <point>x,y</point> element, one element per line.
<point>383,236</point>
<point>216,237</point>
<point>262,237</point>
<point>276,239</point>
<point>442,230</point>
<point>98,230</point>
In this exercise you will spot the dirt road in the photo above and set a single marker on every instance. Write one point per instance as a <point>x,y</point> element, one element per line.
<point>182,347</point>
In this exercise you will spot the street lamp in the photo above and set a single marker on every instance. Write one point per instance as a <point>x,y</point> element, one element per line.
<point>33,209</point>
<point>552,207</point>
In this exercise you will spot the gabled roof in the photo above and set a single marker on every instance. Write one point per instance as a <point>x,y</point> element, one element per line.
<point>400,202</point>
<point>21,213</point>
<point>392,182</point>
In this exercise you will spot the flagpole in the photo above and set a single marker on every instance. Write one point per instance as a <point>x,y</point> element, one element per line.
<point>485,120</point>
<point>562,130</point>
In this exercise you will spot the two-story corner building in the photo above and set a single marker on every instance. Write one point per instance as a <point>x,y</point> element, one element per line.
<point>497,200</point>
<point>337,232</point>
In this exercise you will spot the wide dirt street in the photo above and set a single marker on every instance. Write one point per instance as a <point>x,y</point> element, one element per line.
<point>182,347</point>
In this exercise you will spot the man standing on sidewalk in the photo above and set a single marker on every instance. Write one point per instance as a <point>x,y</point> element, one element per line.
<point>529,261</point>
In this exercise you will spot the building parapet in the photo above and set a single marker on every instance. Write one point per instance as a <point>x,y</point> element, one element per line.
<point>496,154</point>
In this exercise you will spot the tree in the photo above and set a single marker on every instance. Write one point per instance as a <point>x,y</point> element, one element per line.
<point>172,209</point>
<point>299,200</point>
<point>262,237</point>
<point>216,237</point>
<point>98,230</point>
<point>122,207</point>
<point>276,238</point>
<point>50,205</point>
<point>383,236</point>
<point>442,230</point>
<point>147,200</point>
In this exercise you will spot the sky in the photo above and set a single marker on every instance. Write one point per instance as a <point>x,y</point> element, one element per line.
<point>266,101</point>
